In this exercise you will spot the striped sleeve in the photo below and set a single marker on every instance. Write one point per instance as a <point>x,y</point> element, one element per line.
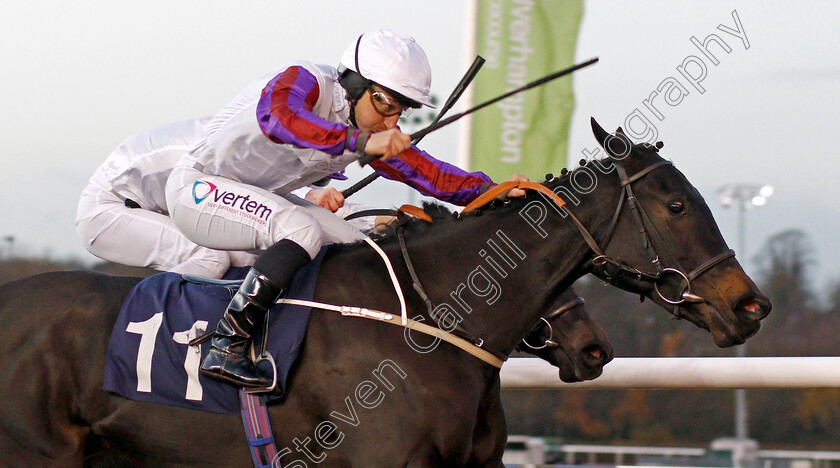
<point>434,178</point>
<point>284,113</point>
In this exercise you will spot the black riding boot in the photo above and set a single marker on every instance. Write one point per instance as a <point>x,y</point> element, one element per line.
<point>228,359</point>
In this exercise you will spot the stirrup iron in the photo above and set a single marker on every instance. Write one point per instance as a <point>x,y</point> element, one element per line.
<point>264,356</point>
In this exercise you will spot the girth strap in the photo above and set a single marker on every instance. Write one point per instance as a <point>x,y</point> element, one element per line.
<point>257,429</point>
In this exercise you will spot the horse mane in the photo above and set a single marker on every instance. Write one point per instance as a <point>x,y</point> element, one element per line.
<point>441,214</point>
<point>444,218</point>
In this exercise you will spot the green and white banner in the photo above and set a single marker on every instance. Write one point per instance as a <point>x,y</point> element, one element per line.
<point>523,40</point>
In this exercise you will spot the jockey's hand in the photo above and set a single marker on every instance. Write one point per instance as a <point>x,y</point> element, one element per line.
<point>383,223</point>
<point>387,144</point>
<point>515,192</point>
<point>328,198</point>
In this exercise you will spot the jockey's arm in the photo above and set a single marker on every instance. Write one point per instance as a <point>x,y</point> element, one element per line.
<point>285,115</point>
<point>436,178</point>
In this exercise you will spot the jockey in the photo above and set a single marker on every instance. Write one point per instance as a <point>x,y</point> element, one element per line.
<point>122,214</point>
<point>290,128</point>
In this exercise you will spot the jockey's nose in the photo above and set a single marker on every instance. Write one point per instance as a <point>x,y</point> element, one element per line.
<point>391,121</point>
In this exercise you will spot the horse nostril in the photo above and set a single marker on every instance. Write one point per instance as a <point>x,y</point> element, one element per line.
<point>753,308</point>
<point>593,355</point>
<point>750,305</point>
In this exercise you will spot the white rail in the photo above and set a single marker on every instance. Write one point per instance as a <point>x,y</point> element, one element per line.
<point>675,373</point>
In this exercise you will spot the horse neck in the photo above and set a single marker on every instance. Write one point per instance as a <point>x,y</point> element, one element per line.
<point>498,272</point>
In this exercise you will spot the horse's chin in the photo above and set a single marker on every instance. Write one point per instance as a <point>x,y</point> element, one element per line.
<point>568,377</point>
<point>725,340</point>
<point>722,324</point>
<point>567,370</point>
<point>580,374</point>
<point>727,330</point>
<point>727,336</point>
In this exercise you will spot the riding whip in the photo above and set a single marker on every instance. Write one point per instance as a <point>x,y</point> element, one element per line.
<point>366,159</point>
<point>456,94</point>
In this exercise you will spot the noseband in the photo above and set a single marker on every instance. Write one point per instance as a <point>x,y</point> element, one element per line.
<point>612,270</point>
<point>546,321</point>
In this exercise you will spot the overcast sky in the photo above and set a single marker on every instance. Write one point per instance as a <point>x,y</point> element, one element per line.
<point>79,77</point>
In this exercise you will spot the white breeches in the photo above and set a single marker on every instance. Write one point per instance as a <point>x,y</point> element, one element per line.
<point>224,214</point>
<point>142,238</point>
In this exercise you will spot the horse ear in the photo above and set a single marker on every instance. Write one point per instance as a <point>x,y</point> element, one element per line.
<point>598,131</point>
<point>618,146</point>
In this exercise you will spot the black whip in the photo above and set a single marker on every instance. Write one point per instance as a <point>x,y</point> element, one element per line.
<point>366,159</point>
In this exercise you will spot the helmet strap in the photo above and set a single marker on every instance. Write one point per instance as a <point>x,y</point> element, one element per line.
<point>358,42</point>
<point>355,100</point>
<point>353,111</point>
<point>354,84</point>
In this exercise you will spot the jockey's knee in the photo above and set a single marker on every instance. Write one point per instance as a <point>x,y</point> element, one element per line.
<point>86,232</point>
<point>95,237</point>
<point>305,232</point>
<point>205,262</point>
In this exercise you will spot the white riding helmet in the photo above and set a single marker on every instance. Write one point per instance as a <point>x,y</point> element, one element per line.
<point>393,61</point>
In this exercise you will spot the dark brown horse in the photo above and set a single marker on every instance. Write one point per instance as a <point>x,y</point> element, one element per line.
<point>71,385</point>
<point>569,340</point>
<point>368,394</point>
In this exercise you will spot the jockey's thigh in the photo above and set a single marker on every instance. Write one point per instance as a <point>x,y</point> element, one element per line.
<point>141,238</point>
<point>334,229</point>
<point>224,214</point>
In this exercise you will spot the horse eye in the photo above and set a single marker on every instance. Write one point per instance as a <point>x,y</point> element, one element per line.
<point>676,207</point>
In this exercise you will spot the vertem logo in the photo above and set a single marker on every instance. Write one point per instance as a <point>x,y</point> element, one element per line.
<point>203,190</point>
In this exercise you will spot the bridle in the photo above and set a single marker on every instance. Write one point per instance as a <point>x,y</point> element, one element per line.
<point>612,270</point>
<point>546,321</point>
<point>604,266</point>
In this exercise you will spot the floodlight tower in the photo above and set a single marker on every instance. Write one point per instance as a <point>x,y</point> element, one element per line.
<point>743,197</point>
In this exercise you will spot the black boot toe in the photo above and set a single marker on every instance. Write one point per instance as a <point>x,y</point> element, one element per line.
<point>234,369</point>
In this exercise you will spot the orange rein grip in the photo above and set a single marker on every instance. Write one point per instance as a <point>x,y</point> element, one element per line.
<point>505,187</point>
<point>489,196</point>
<point>417,212</point>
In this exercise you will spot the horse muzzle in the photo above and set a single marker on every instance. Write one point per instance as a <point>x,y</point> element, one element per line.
<point>752,308</point>
<point>590,361</point>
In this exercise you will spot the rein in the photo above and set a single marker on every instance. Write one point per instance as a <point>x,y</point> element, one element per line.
<point>505,187</point>
<point>460,336</point>
<point>546,321</point>
<point>606,267</point>
<point>609,268</point>
<point>472,347</point>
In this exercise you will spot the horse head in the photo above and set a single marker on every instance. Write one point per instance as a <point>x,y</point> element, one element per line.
<point>630,218</point>
<point>570,340</point>
<point>663,243</point>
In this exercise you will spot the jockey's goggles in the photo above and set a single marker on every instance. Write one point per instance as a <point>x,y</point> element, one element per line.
<point>385,104</point>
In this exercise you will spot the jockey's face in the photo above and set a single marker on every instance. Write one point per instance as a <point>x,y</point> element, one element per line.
<point>369,119</point>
